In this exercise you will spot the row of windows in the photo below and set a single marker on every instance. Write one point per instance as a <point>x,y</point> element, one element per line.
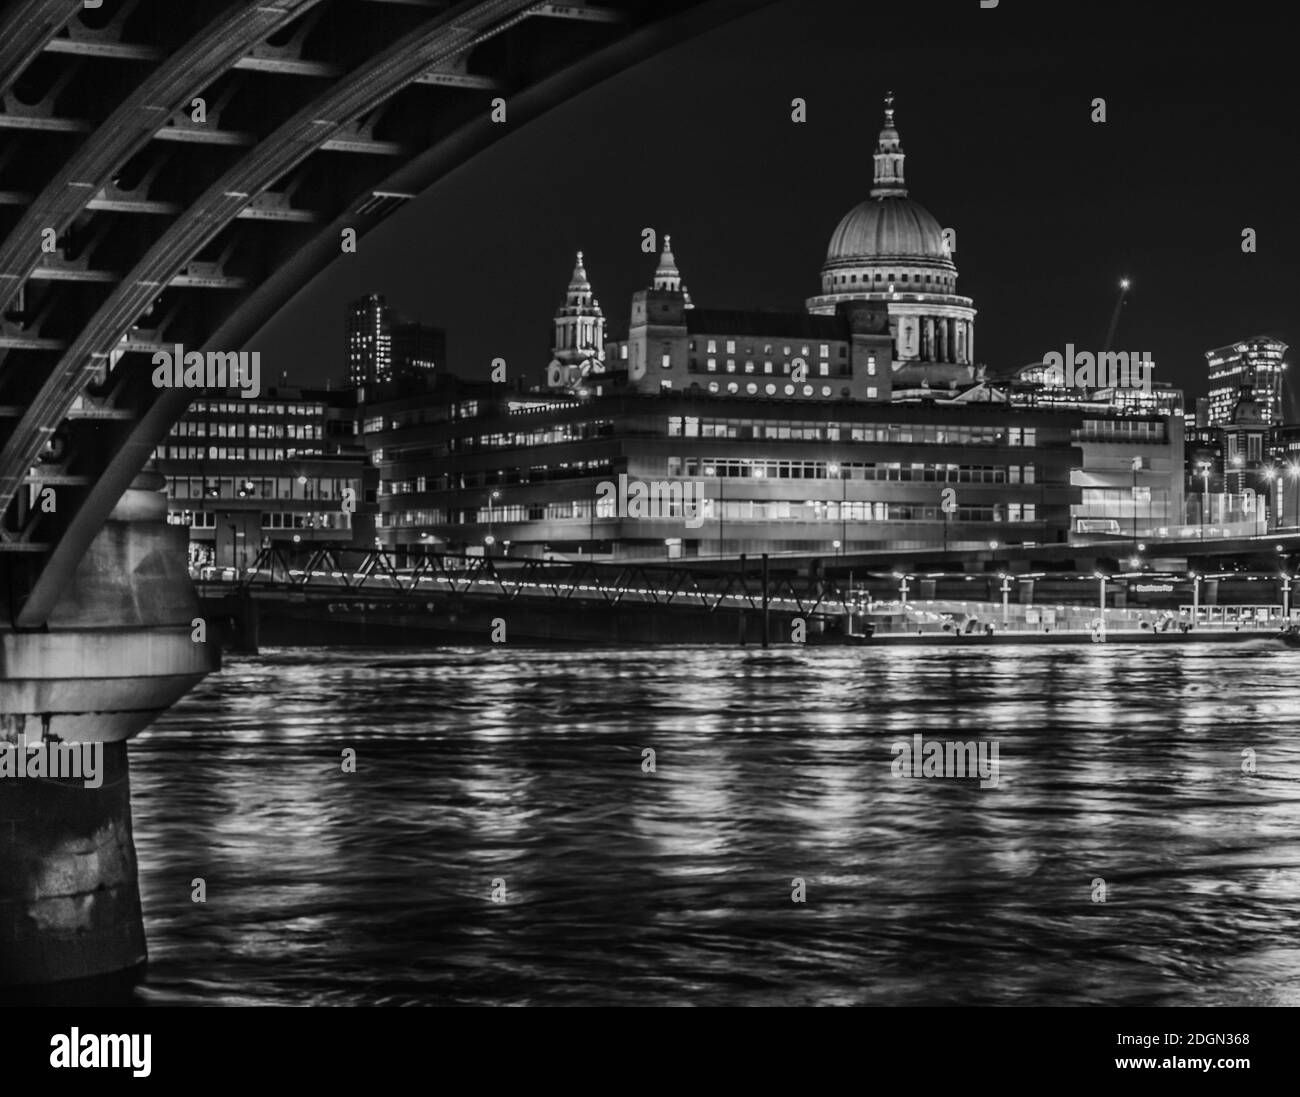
<point>565,432</point>
<point>281,520</point>
<point>260,487</point>
<point>822,369</point>
<point>690,426</point>
<point>770,389</point>
<point>741,468</point>
<point>1124,496</point>
<point>171,452</point>
<point>488,478</point>
<point>946,281</point>
<point>733,510</point>
<point>823,349</point>
<point>411,519</point>
<point>1122,430</point>
<point>204,429</point>
<point>252,407</point>
<point>198,519</point>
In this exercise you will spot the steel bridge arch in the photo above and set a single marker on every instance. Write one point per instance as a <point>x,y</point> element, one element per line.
<point>77,326</point>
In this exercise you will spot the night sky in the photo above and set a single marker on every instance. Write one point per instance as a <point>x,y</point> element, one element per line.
<point>993,107</point>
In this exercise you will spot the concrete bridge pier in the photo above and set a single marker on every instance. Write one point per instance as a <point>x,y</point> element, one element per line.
<point>116,652</point>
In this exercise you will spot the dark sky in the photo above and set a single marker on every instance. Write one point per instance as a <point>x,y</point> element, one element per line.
<point>993,107</point>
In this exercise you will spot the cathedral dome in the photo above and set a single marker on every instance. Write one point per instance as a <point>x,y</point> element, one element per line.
<point>892,226</point>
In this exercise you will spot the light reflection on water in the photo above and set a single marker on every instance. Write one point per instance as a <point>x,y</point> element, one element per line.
<point>674,887</point>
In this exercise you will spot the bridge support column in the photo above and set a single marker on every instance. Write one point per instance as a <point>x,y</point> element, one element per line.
<point>69,899</point>
<point>117,650</point>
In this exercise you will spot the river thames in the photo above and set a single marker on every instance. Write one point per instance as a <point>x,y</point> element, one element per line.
<point>1164,780</point>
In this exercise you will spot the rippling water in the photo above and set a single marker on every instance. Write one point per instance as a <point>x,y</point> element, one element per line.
<point>1123,764</point>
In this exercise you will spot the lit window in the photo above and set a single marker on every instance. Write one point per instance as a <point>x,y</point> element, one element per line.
<point>713,346</point>
<point>871,365</point>
<point>749,367</point>
<point>786,352</point>
<point>731,365</point>
<point>713,386</point>
<point>664,386</point>
<point>789,390</point>
<point>732,387</point>
<point>806,350</point>
<point>731,346</point>
<point>666,362</point>
<point>712,365</point>
<point>770,389</point>
<point>826,390</point>
<point>825,350</point>
<point>871,393</point>
<point>808,390</point>
<point>825,369</point>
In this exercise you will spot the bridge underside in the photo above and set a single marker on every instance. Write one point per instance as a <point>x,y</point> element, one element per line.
<point>175,173</point>
<point>172,173</point>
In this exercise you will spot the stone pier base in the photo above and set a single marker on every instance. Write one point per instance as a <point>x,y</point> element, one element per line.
<point>69,899</point>
<point>119,648</point>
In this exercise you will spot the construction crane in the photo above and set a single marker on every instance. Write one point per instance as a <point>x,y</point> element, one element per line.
<point>1114,316</point>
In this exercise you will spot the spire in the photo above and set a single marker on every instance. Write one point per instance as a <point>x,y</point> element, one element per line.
<point>579,322</point>
<point>579,287</point>
<point>667,276</point>
<point>889,157</point>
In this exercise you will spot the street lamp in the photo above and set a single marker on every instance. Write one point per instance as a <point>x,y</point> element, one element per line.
<point>1137,464</point>
<point>835,470</point>
<point>710,471</point>
<point>489,540</point>
<point>1205,493</point>
<point>1101,598</point>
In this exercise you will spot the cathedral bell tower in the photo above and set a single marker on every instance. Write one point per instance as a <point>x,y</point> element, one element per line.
<point>579,347</point>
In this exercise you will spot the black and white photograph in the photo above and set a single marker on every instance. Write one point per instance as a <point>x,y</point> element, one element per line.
<point>626,505</point>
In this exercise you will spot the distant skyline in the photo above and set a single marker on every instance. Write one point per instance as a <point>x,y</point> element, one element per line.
<point>994,110</point>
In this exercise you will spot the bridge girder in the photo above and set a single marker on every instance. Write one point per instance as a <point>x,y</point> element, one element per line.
<point>319,115</point>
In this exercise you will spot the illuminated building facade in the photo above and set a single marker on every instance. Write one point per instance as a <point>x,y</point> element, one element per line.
<point>244,474</point>
<point>1258,362</point>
